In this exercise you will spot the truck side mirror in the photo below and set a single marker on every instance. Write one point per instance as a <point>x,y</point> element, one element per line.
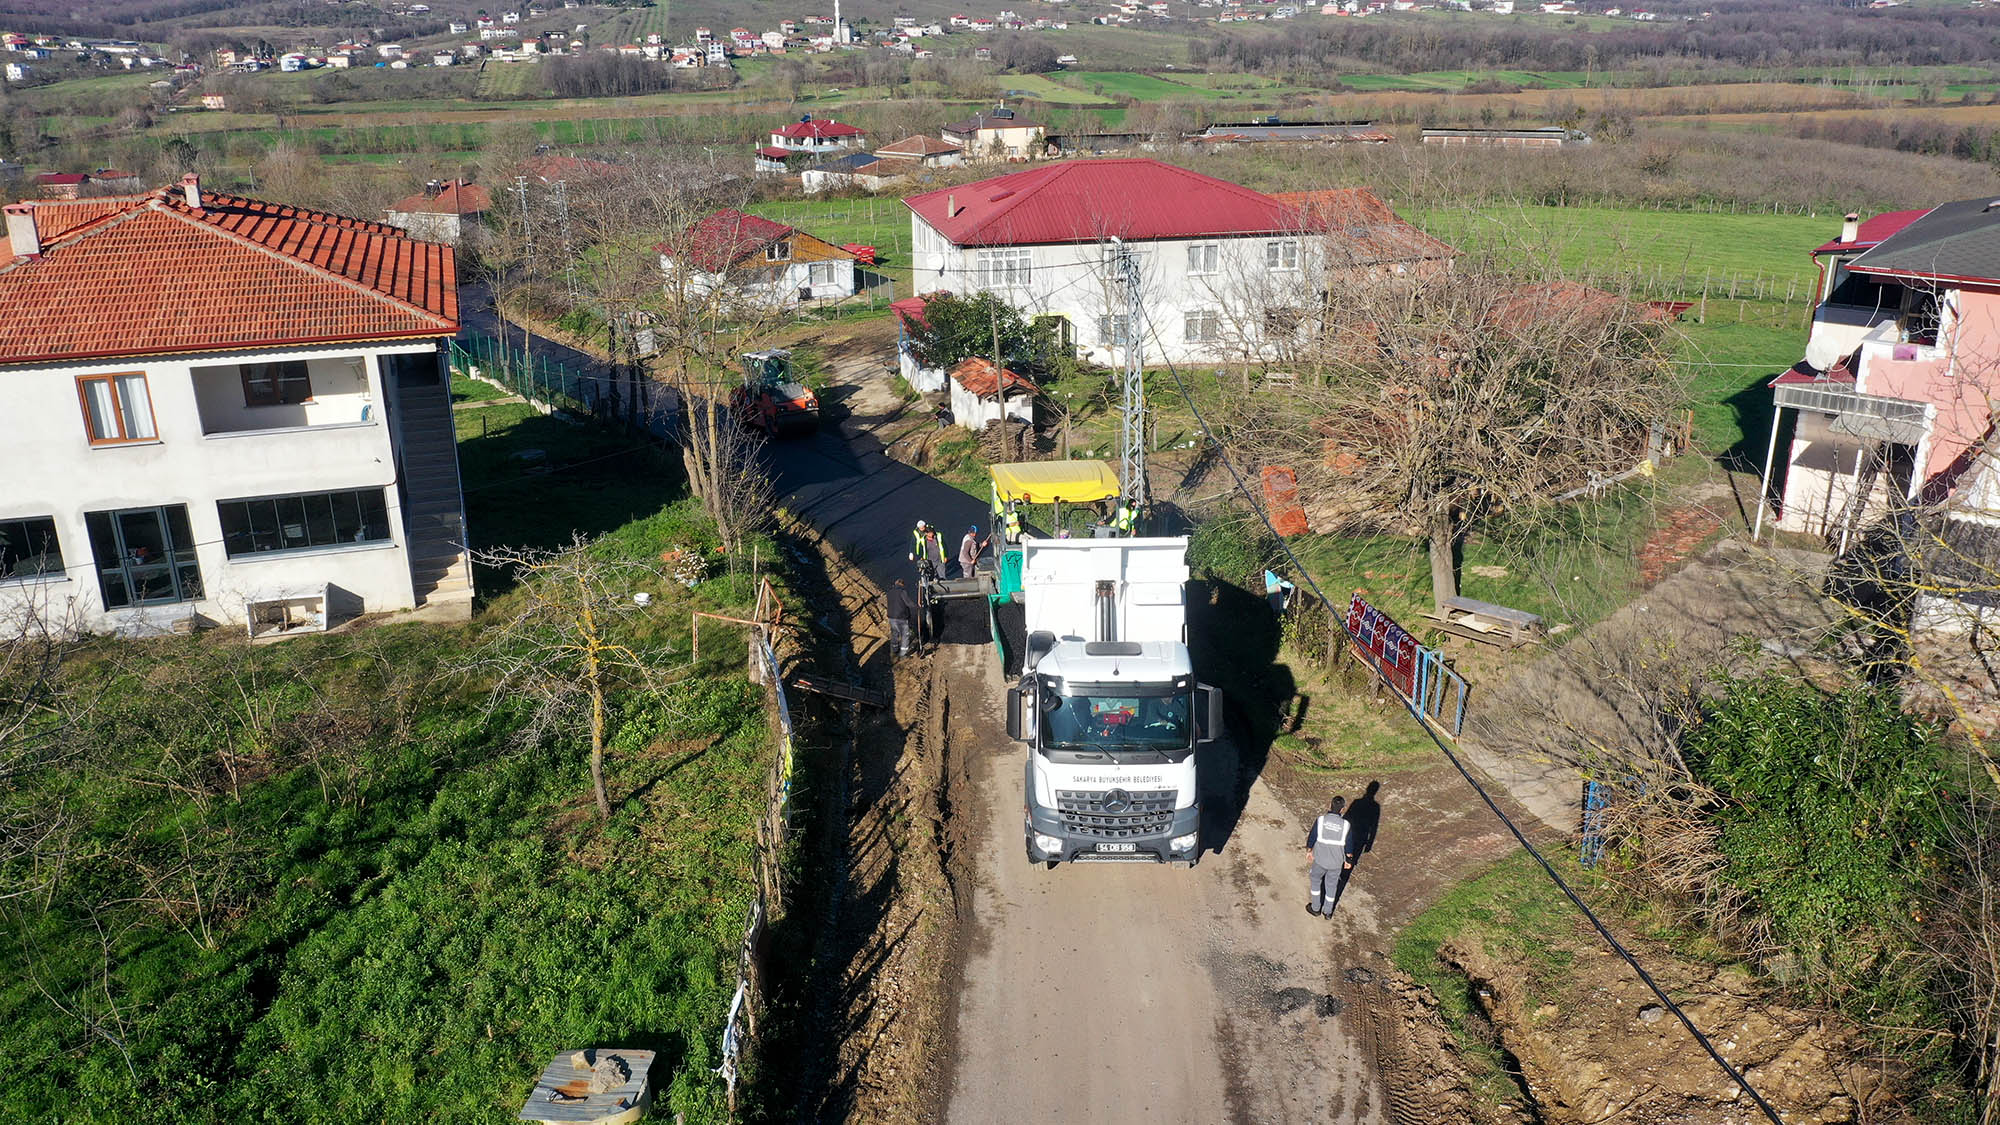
<point>1016,703</point>
<point>1211,713</point>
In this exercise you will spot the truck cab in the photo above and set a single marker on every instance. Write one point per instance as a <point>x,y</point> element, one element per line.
<point>1108,704</point>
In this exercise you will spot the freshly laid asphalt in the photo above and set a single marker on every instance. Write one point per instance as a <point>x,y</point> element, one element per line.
<point>843,482</point>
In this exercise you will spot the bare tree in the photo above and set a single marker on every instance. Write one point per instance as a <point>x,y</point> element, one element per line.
<point>1427,403</point>
<point>567,642</point>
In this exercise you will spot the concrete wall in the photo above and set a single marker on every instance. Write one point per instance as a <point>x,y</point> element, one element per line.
<point>53,471</point>
<point>1075,280</point>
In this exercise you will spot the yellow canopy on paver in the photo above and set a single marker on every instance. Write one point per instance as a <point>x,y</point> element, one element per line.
<point>1048,482</point>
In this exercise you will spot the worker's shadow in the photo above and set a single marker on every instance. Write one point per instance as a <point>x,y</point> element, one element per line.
<point>1233,637</point>
<point>1364,821</point>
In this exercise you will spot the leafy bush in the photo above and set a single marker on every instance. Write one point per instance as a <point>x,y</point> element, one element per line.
<point>1234,548</point>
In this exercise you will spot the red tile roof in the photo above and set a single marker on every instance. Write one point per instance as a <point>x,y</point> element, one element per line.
<point>1372,231</point>
<point>815,129</point>
<point>773,152</point>
<point>1873,230</point>
<point>919,146</point>
<point>154,276</point>
<point>456,198</point>
<point>723,238</point>
<point>54,179</point>
<point>1090,200</point>
<point>982,378</point>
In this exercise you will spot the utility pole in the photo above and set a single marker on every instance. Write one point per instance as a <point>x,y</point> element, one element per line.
<point>569,258</point>
<point>1132,447</point>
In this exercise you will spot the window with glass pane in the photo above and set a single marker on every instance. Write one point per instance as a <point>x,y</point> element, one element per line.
<point>1204,257</point>
<point>28,548</point>
<point>1203,326</point>
<point>293,523</point>
<point>1281,255</point>
<point>1000,268</point>
<point>778,251</point>
<point>144,556</point>
<point>276,384</point>
<point>116,408</point>
<point>1112,330</point>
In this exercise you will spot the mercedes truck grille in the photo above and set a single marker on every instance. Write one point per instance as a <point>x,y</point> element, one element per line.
<point>1116,814</point>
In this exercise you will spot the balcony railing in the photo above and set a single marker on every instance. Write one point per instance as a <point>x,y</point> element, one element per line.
<point>1898,420</point>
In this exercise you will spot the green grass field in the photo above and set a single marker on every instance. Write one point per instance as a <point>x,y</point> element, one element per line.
<point>335,853</point>
<point>1144,87</point>
<point>1049,90</point>
<point>1689,244</point>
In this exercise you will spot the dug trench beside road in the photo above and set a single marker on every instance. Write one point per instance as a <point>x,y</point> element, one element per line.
<point>1117,993</point>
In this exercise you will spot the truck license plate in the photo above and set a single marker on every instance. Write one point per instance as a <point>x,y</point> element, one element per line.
<point>1109,847</point>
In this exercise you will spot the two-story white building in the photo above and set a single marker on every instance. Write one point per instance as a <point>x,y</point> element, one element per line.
<point>221,410</point>
<point>1220,266</point>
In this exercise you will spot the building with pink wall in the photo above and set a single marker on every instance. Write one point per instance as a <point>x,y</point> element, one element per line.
<point>1891,412</point>
<point>1902,365</point>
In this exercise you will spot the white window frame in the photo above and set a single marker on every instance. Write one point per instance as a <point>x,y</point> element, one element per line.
<point>779,251</point>
<point>1281,255</point>
<point>1114,331</point>
<point>823,273</point>
<point>1203,326</point>
<point>1003,269</point>
<point>1204,258</point>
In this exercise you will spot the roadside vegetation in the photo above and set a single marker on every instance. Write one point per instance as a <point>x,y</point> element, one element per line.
<point>341,877</point>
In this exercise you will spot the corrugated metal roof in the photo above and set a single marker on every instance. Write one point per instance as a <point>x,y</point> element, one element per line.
<point>1872,231</point>
<point>1093,200</point>
<point>1952,240</point>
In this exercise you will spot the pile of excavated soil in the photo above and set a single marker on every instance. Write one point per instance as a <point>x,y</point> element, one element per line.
<point>1602,1048</point>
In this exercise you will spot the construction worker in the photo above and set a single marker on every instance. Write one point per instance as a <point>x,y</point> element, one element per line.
<point>929,554</point>
<point>969,550</point>
<point>901,612</point>
<point>1330,841</point>
<point>1123,520</point>
<point>917,540</point>
<point>1012,524</point>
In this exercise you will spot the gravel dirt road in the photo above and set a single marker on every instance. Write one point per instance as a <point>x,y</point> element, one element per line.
<point>1134,992</point>
<point>1145,993</point>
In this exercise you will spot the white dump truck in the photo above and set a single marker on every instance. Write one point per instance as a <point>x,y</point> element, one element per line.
<point>1107,700</point>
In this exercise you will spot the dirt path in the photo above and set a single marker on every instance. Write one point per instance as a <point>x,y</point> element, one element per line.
<point>1142,993</point>
<point>1106,993</point>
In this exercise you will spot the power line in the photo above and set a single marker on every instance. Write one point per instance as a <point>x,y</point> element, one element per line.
<point>1222,452</point>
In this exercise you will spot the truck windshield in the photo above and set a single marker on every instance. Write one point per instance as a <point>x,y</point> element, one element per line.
<point>1161,720</point>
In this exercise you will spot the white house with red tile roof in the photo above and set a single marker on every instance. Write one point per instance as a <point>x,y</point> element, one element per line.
<point>813,135</point>
<point>759,260</point>
<point>1213,257</point>
<point>445,211</point>
<point>222,410</point>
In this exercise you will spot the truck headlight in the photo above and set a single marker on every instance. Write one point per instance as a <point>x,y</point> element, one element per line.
<point>1049,845</point>
<point>1183,843</point>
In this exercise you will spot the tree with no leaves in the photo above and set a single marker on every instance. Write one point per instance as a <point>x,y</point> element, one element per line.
<point>1425,404</point>
<point>565,644</point>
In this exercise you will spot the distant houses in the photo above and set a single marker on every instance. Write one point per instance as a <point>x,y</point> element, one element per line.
<point>445,211</point>
<point>757,260</point>
<point>996,134</point>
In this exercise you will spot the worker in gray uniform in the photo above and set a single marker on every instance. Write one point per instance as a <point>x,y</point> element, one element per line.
<point>1331,843</point>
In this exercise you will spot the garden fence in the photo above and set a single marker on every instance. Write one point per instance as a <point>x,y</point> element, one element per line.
<point>773,830</point>
<point>635,402</point>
